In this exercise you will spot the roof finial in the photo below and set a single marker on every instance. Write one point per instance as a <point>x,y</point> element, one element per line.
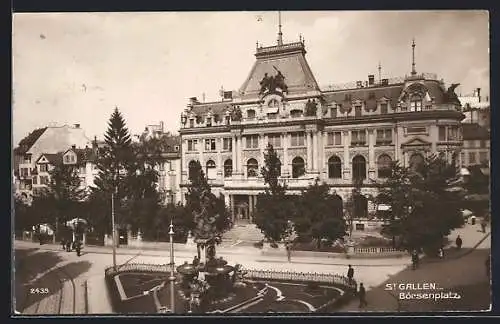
<point>379,72</point>
<point>280,34</point>
<point>413,71</point>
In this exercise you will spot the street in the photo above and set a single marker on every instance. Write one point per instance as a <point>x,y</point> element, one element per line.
<point>52,281</point>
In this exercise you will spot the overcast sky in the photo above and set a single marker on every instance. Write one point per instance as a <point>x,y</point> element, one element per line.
<point>76,67</point>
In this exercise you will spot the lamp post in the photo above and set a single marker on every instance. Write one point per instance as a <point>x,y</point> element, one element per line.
<point>113,228</point>
<point>172,276</point>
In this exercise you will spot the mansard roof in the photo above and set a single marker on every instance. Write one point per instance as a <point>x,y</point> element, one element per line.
<point>290,60</point>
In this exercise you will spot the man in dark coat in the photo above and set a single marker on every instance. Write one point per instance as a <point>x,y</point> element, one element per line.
<point>414,259</point>
<point>350,274</point>
<point>362,296</point>
<point>458,242</point>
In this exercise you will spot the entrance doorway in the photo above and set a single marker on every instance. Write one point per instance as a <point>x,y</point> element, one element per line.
<point>243,209</point>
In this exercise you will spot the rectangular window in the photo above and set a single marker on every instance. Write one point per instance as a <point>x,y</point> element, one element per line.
<point>43,167</point>
<point>472,158</point>
<point>358,137</point>
<point>82,169</point>
<point>383,108</point>
<point>252,141</point>
<point>334,138</point>
<point>24,172</point>
<point>228,120</point>
<point>35,179</point>
<point>44,180</point>
<point>357,111</point>
<point>416,105</point>
<point>191,123</point>
<point>462,158</point>
<point>209,122</point>
<point>210,144</point>
<point>27,159</point>
<point>416,130</point>
<point>274,140</point>
<point>452,133</point>
<point>384,136</point>
<point>442,133</point>
<point>298,139</point>
<point>192,145</point>
<point>483,157</point>
<point>227,144</point>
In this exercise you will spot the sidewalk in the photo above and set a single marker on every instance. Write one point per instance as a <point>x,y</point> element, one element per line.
<point>442,272</point>
<point>250,254</point>
<point>99,301</point>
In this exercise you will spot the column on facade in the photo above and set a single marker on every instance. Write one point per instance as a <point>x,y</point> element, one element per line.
<point>315,155</point>
<point>243,144</point>
<point>262,148</point>
<point>371,148</point>
<point>346,139</point>
<point>309,150</point>
<point>250,207</point>
<point>220,163</point>
<point>233,151</point>
<point>233,212</point>
<point>397,148</point>
<point>434,135</point>
<point>284,144</point>
<point>324,158</point>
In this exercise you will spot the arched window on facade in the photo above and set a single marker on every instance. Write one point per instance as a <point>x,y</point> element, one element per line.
<point>334,167</point>
<point>211,171</point>
<point>416,161</point>
<point>358,168</point>
<point>228,168</point>
<point>384,164</point>
<point>252,167</point>
<point>298,167</point>
<point>191,169</point>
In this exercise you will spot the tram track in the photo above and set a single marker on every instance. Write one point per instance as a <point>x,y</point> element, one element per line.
<point>56,278</point>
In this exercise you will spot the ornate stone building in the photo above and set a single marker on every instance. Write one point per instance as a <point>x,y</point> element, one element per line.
<point>338,134</point>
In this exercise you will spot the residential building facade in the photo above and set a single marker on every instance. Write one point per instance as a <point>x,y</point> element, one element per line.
<point>46,140</point>
<point>339,134</point>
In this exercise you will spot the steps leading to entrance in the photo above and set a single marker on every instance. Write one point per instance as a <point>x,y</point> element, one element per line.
<point>244,233</point>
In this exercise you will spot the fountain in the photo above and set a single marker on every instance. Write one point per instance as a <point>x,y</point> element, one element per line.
<point>207,279</point>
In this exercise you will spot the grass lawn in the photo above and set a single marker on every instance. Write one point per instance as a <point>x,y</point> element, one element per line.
<point>136,283</point>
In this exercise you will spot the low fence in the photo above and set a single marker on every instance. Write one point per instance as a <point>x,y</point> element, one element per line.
<point>370,250</point>
<point>326,278</point>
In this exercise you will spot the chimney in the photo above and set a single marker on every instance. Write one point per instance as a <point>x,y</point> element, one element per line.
<point>77,125</point>
<point>193,100</point>
<point>73,147</point>
<point>371,79</point>
<point>359,84</point>
<point>161,126</point>
<point>478,94</point>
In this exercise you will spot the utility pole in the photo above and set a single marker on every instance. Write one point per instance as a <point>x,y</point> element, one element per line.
<point>172,264</point>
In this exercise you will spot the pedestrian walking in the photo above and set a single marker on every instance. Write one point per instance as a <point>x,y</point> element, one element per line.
<point>458,242</point>
<point>483,226</point>
<point>441,253</point>
<point>414,259</point>
<point>288,248</point>
<point>350,274</point>
<point>362,296</point>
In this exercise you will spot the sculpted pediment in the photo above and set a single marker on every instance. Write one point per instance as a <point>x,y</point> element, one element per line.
<point>416,141</point>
